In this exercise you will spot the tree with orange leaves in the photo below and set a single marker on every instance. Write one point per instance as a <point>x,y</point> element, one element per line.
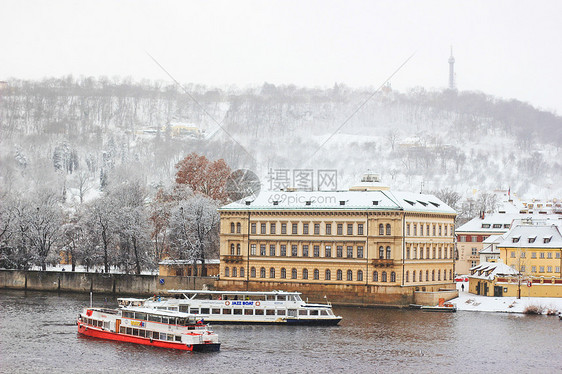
<point>204,176</point>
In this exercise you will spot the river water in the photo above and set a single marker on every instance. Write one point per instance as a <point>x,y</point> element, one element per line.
<point>38,335</point>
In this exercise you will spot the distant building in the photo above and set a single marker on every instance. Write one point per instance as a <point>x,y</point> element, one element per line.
<point>185,268</point>
<point>368,245</point>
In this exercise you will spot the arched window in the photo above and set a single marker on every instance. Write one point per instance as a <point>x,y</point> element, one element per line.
<point>444,274</point>
<point>316,274</point>
<point>415,253</point>
<point>262,273</point>
<point>294,274</point>
<point>232,249</point>
<point>427,275</point>
<point>450,274</point>
<point>427,250</point>
<point>433,275</point>
<point>440,252</point>
<point>328,275</point>
<point>238,228</point>
<point>393,277</point>
<point>388,229</point>
<point>253,272</point>
<point>381,229</point>
<point>234,271</point>
<point>388,253</point>
<point>421,274</point>
<point>283,273</point>
<point>349,275</point>
<point>375,276</point>
<point>421,253</point>
<point>434,253</point>
<point>272,272</point>
<point>232,227</point>
<point>238,249</point>
<point>226,272</point>
<point>445,253</point>
<point>381,252</point>
<point>304,273</point>
<point>407,276</point>
<point>408,253</point>
<point>439,274</point>
<point>414,276</point>
<point>383,276</point>
<point>339,275</point>
<point>360,275</point>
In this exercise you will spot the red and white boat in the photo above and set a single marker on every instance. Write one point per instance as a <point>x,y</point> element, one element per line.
<point>165,329</point>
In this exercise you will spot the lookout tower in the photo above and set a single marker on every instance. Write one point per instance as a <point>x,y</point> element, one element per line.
<point>452,71</point>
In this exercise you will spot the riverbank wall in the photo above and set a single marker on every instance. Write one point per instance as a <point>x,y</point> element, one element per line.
<point>120,284</point>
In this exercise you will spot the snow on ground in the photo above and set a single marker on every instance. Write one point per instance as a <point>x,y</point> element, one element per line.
<point>478,303</point>
<point>98,269</point>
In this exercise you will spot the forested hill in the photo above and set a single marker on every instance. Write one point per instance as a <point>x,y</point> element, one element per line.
<point>69,132</point>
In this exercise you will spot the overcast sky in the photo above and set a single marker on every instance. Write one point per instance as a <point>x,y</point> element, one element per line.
<point>510,49</point>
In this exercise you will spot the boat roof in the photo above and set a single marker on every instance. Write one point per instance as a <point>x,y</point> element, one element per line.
<point>206,292</point>
<point>161,312</point>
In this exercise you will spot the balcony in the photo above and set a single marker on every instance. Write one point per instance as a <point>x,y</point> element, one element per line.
<point>232,258</point>
<point>383,262</point>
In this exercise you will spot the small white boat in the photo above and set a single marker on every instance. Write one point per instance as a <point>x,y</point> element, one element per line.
<point>270,307</point>
<point>158,328</point>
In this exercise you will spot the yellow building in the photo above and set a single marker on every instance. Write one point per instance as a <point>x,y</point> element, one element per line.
<point>186,268</point>
<point>364,246</point>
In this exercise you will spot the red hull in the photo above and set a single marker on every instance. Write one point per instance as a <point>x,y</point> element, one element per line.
<point>102,334</point>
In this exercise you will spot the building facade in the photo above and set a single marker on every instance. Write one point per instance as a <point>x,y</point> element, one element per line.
<point>361,247</point>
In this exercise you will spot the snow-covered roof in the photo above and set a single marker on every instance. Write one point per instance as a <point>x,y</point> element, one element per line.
<point>501,222</point>
<point>342,200</point>
<point>532,236</point>
<point>489,270</point>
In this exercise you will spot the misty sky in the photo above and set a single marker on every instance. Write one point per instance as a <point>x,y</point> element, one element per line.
<point>510,49</point>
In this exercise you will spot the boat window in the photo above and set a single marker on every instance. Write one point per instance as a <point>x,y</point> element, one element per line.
<point>298,298</point>
<point>183,308</point>
<point>259,312</point>
<point>128,314</point>
<point>226,311</point>
<point>178,338</point>
<point>205,311</point>
<point>136,332</point>
<point>292,313</point>
<point>106,325</point>
<point>303,312</point>
<point>142,333</point>
<point>324,312</point>
<point>194,310</point>
<point>162,336</point>
<point>129,331</point>
<point>270,312</point>
<point>165,320</point>
<point>154,318</point>
<point>170,337</point>
<point>314,312</point>
<point>140,316</point>
<point>216,311</point>
<point>99,323</point>
<point>281,312</point>
<point>237,311</point>
<point>155,335</point>
<point>248,312</point>
<point>122,330</point>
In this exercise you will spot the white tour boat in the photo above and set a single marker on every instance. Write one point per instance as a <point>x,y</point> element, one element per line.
<point>158,328</point>
<point>272,307</point>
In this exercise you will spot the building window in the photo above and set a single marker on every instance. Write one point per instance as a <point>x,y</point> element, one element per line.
<point>253,228</point>
<point>549,269</point>
<point>226,272</point>
<point>294,250</point>
<point>283,273</point>
<point>413,276</point>
<point>533,254</point>
<point>375,276</point>
<point>316,274</point>
<point>359,229</point>
<point>234,272</point>
<point>262,273</point>
<point>434,254</point>
<point>463,238</point>
<point>232,249</point>
<point>272,272</point>
<point>295,228</point>
<point>408,253</point>
<point>283,250</point>
<point>283,228</point>
<point>238,252</point>
<point>359,275</point>
<point>541,269</point>
<point>415,230</point>
<point>253,249</point>
<point>232,227</point>
<point>474,239</point>
<point>421,253</point>
<point>446,230</point>
<point>272,250</point>
<point>349,275</point>
<point>294,273</point>
<point>253,272</point>
<point>238,228</point>
<point>359,252</point>
<point>549,255</point>
<point>522,268</point>
<point>474,251</point>
<point>316,249</point>
<point>421,229</point>
<point>439,230</point>
<point>512,254</point>
<point>388,230</point>
<point>328,275</point>
<point>444,274</point>
<point>472,264</point>
<point>541,254</point>
<point>427,275</point>
<point>340,228</point>
<point>305,228</point>
<point>328,229</point>
<point>407,276</point>
<point>339,275</point>
<point>393,276</point>
<point>427,227</point>
<point>305,251</point>
<point>350,229</point>
<point>339,251</point>
<point>533,269</point>
<point>262,228</point>
<point>262,249</point>
<point>433,230</point>
<point>421,275</point>
<point>349,252</point>
<point>557,269</point>
<point>381,252</point>
<point>439,274</point>
<point>415,256</point>
<point>304,273</point>
<point>445,253</point>
<point>381,229</point>
<point>408,229</point>
<point>316,229</point>
<point>272,229</point>
<point>328,251</point>
<point>427,250</point>
<point>440,253</point>
<point>383,276</point>
<point>388,253</point>
<point>557,254</point>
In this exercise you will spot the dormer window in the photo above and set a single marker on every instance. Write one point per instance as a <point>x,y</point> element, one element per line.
<point>497,225</point>
<point>547,240</point>
<point>375,202</point>
<point>276,202</point>
<point>342,202</point>
<point>248,202</point>
<point>422,203</point>
<point>532,240</point>
<point>410,202</point>
<point>516,239</point>
<point>308,202</point>
<point>485,225</point>
<point>434,204</point>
